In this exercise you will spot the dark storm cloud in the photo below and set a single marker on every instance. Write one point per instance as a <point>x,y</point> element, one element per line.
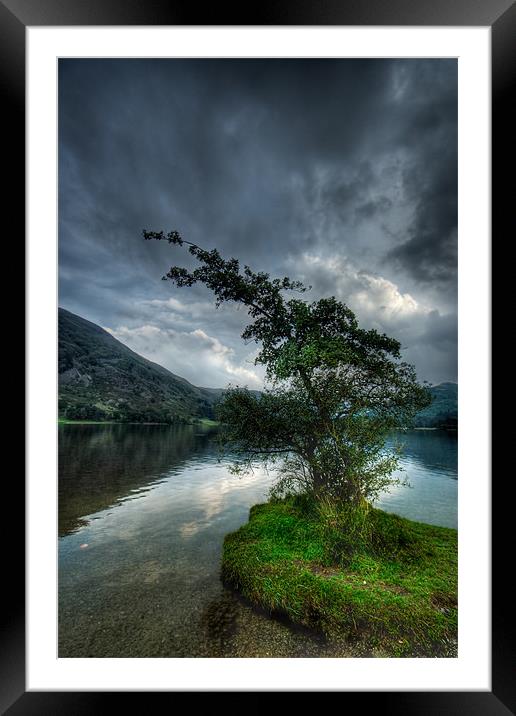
<point>429,251</point>
<point>286,164</point>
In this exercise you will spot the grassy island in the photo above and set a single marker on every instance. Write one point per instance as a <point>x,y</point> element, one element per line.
<point>334,393</point>
<point>394,595</point>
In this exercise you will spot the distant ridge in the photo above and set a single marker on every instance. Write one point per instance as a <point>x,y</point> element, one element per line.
<point>443,411</point>
<point>102,379</point>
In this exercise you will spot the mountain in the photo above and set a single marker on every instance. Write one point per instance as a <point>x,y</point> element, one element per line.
<point>443,410</point>
<point>101,379</point>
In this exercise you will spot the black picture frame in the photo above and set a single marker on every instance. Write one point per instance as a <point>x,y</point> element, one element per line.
<point>500,16</point>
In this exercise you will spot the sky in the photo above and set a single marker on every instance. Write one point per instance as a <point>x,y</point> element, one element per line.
<point>339,173</point>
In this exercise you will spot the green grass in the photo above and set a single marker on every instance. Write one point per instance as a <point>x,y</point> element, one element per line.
<point>395,597</point>
<point>207,422</point>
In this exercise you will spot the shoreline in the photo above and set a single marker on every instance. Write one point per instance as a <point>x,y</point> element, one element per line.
<point>399,600</point>
<point>204,422</point>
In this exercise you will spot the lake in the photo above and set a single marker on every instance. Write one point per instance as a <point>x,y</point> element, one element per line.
<point>143,511</point>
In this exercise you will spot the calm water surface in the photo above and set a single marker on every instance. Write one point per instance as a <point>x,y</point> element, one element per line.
<point>143,511</point>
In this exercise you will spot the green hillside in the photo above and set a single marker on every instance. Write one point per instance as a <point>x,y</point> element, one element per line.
<point>101,379</point>
<point>443,411</point>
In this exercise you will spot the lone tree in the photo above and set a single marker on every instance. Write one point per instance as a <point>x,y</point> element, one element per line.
<point>336,392</point>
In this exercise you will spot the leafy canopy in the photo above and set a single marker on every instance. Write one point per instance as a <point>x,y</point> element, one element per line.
<point>336,392</point>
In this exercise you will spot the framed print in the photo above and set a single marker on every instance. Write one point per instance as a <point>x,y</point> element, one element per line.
<point>273,138</point>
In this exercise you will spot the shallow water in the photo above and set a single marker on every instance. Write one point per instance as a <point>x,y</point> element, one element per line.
<point>429,464</point>
<point>143,511</point>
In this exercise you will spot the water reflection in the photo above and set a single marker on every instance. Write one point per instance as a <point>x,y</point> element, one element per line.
<point>101,465</point>
<point>435,450</point>
<point>143,511</point>
<point>429,463</point>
